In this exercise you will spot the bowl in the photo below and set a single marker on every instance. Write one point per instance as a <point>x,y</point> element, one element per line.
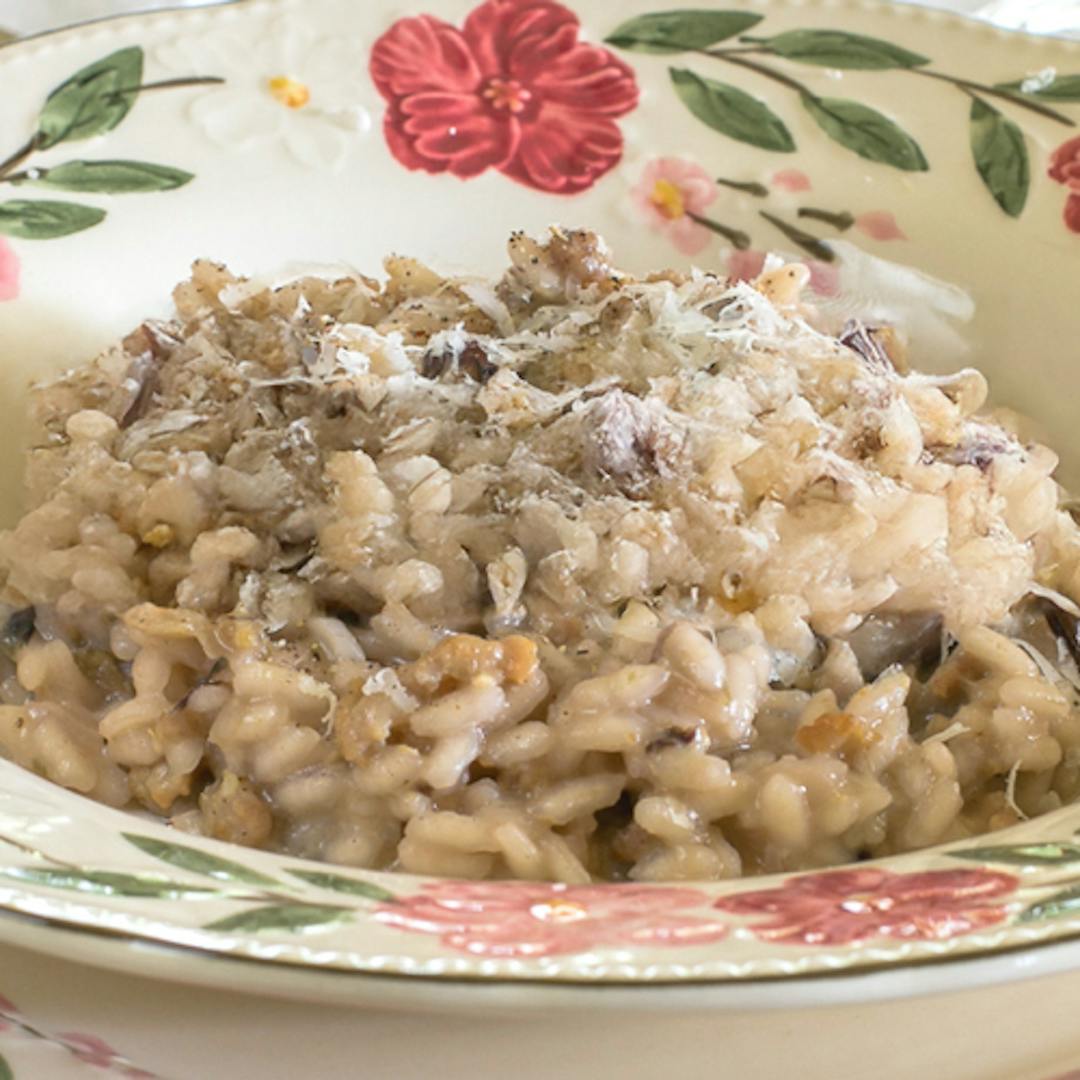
<point>921,165</point>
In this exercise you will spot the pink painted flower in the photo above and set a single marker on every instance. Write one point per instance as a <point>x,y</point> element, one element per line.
<point>791,180</point>
<point>844,906</point>
<point>523,919</point>
<point>824,277</point>
<point>91,1050</point>
<point>745,265</point>
<point>670,193</point>
<point>8,1012</point>
<point>513,90</point>
<point>9,271</point>
<point>879,225</point>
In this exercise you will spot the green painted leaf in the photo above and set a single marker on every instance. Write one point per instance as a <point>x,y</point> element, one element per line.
<point>94,100</point>
<point>350,885</point>
<point>280,917</point>
<point>866,131</point>
<point>1062,903</point>
<point>1062,88</point>
<point>44,220</point>
<point>198,862</point>
<point>112,177</point>
<point>679,31</point>
<point>106,883</point>
<point>6,1071</point>
<point>839,49</point>
<point>1023,854</point>
<point>732,111</point>
<point>1001,157</point>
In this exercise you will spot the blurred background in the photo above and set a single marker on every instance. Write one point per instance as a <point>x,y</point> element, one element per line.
<point>21,17</point>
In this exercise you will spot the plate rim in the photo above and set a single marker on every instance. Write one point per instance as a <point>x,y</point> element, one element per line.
<point>903,9</point>
<point>179,965</point>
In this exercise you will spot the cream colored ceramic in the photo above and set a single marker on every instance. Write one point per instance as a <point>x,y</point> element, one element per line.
<point>841,131</point>
<point>180,1017</point>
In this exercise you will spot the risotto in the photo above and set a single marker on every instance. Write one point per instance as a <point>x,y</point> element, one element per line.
<point>571,576</point>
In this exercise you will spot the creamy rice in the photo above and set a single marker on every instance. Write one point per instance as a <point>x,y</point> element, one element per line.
<point>571,576</point>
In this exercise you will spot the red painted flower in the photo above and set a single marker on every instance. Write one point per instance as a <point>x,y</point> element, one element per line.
<point>843,906</point>
<point>513,90</point>
<point>1065,164</point>
<point>9,271</point>
<point>1072,213</point>
<point>523,919</point>
<point>1065,169</point>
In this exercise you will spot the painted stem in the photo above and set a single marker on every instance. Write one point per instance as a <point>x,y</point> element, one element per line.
<point>15,160</point>
<point>812,245</point>
<point>992,91</point>
<point>751,187</point>
<point>762,69</point>
<point>841,220</point>
<point>249,894</point>
<point>736,56</point>
<point>169,84</point>
<point>24,176</point>
<point>737,237</point>
<point>9,164</point>
<point>36,853</point>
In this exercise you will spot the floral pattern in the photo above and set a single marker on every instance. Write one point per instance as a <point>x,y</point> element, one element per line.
<point>508,919</point>
<point>91,102</point>
<point>794,180</point>
<point>673,194</point>
<point>88,1049</point>
<point>9,271</point>
<point>91,1050</point>
<point>8,1012</point>
<point>879,225</point>
<point>291,87</point>
<point>1065,169</point>
<point>999,147</point>
<point>514,90</point>
<point>845,906</point>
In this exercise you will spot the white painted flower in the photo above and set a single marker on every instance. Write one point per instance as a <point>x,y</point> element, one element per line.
<point>286,85</point>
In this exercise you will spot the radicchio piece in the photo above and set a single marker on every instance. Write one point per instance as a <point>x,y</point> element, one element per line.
<point>1064,626</point>
<point>145,381</point>
<point>472,362</point>
<point>980,451</point>
<point>435,364</point>
<point>863,339</point>
<point>148,344</point>
<point>19,627</point>
<point>629,440</point>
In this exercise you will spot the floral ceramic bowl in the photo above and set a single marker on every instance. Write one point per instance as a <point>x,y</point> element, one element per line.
<point>844,132</point>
